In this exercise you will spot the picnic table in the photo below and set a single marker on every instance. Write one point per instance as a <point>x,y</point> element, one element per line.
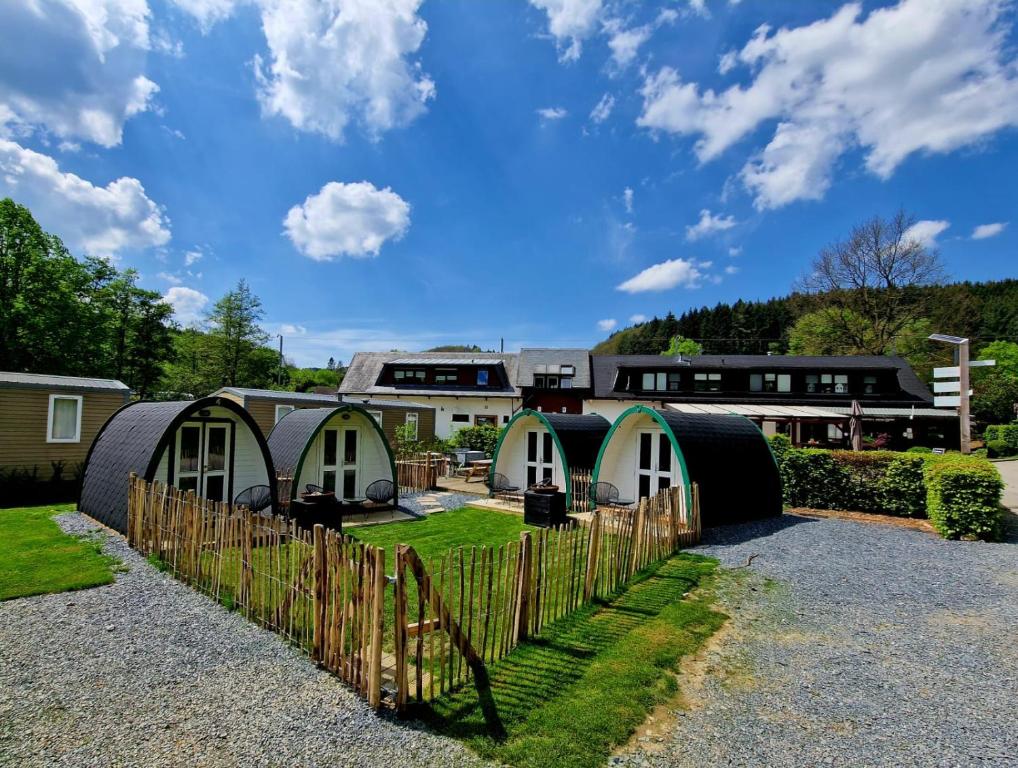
<point>477,468</point>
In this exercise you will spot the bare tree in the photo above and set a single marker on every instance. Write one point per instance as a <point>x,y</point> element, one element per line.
<point>874,274</point>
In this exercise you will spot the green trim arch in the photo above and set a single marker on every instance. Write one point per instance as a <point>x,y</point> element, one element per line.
<point>347,408</point>
<point>665,426</point>
<point>554,436</point>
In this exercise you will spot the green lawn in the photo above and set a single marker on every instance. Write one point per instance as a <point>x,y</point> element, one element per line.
<point>37,558</point>
<point>571,696</point>
<point>434,535</point>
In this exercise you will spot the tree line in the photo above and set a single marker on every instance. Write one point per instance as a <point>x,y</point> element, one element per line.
<point>83,317</point>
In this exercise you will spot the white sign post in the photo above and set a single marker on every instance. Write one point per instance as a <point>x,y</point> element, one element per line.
<point>960,373</point>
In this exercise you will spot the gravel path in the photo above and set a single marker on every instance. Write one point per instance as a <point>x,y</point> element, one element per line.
<point>853,644</point>
<point>148,672</point>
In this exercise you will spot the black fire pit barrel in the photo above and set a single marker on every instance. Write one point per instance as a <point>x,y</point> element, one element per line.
<point>544,509</point>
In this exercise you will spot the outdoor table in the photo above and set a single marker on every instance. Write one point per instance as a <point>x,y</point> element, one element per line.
<point>308,514</point>
<point>479,468</point>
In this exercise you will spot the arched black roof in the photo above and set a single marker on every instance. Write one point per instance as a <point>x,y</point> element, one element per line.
<point>580,435</point>
<point>726,455</point>
<point>292,436</point>
<point>132,440</point>
<point>729,458</point>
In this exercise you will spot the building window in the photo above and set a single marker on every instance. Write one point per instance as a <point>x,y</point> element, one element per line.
<point>446,376</point>
<point>485,421</point>
<point>827,383</point>
<point>568,370</point>
<point>282,410</point>
<point>377,416</point>
<point>411,421</point>
<point>505,419</point>
<point>770,382</point>
<point>661,381</point>
<point>707,382</point>
<point>409,375</point>
<point>461,418</point>
<point>482,378</point>
<point>64,419</point>
<point>553,382</point>
<point>539,381</point>
<point>566,382</point>
<point>869,385</point>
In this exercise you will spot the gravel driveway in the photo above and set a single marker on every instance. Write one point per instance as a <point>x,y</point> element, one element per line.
<point>148,672</point>
<point>853,644</point>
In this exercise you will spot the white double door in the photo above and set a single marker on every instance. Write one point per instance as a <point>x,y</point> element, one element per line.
<point>655,463</point>
<point>339,465</point>
<point>540,456</point>
<point>202,463</point>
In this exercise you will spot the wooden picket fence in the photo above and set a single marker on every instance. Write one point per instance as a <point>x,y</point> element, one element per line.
<point>473,606</point>
<point>581,482</point>
<point>322,591</point>
<point>419,471</point>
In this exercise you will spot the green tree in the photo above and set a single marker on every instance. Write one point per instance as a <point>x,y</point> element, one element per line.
<point>680,345</point>
<point>996,387</point>
<point>235,338</point>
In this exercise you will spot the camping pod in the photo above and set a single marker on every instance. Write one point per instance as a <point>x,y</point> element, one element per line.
<point>341,449</point>
<point>210,446</point>
<point>727,456</point>
<point>536,446</point>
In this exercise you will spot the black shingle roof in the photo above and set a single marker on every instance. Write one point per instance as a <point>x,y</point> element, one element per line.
<point>131,441</point>
<point>581,436</point>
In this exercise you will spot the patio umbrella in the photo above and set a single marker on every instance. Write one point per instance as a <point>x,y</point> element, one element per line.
<point>855,426</point>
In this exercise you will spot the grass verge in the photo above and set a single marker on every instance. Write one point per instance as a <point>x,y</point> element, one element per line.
<point>573,695</point>
<point>434,535</point>
<point>37,558</point>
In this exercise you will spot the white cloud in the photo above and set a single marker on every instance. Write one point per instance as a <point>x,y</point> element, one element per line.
<point>552,113</point>
<point>984,231</point>
<point>727,62</point>
<point>638,318</point>
<point>331,63</point>
<point>100,221</point>
<point>625,43</point>
<point>73,68</point>
<point>734,251</point>
<point>603,108</point>
<point>731,269</point>
<point>289,329</point>
<point>207,12</point>
<point>347,220</point>
<point>169,278</point>
<point>193,257</point>
<point>607,324</point>
<point>570,22</point>
<point>708,225</point>
<point>664,276</point>
<point>627,199</point>
<point>699,7</point>
<point>188,304</point>
<point>926,231</point>
<point>849,81</point>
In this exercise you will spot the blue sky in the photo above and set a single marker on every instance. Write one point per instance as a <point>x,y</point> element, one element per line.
<point>402,174</point>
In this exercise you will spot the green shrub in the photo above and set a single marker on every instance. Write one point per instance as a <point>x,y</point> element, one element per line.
<point>1004,434</point>
<point>919,449</point>
<point>811,478</point>
<point>780,444</point>
<point>483,438</point>
<point>902,489</point>
<point>996,448</point>
<point>963,497</point>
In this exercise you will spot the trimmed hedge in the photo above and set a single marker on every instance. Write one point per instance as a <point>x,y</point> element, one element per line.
<point>963,497</point>
<point>960,494</point>
<point>1002,439</point>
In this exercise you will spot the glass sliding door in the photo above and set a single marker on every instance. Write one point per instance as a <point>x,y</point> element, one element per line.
<point>202,460</point>
<point>330,459</point>
<point>654,464</point>
<point>540,456</point>
<point>351,487</point>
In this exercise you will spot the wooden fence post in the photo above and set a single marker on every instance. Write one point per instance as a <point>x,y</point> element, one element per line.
<point>521,623</point>
<point>378,598</point>
<point>320,601</point>
<point>400,628</point>
<point>593,555</point>
<point>636,538</point>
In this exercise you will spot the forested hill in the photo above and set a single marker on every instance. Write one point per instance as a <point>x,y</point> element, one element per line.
<point>984,312</point>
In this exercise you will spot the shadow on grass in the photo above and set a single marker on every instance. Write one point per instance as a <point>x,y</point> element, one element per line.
<point>572,694</point>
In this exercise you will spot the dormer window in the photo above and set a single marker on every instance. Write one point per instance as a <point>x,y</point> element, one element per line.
<point>827,383</point>
<point>409,376</point>
<point>660,381</point>
<point>482,378</point>
<point>707,382</point>
<point>869,385</point>
<point>446,376</point>
<point>770,382</point>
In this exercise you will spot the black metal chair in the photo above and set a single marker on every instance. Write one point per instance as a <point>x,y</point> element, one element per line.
<point>502,486</point>
<point>380,491</point>
<point>256,498</point>
<point>607,495</point>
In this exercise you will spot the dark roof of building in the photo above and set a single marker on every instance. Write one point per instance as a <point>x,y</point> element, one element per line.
<point>372,402</point>
<point>131,441</point>
<point>543,360</point>
<point>281,396</point>
<point>581,436</point>
<point>17,380</point>
<point>362,376</point>
<point>605,368</point>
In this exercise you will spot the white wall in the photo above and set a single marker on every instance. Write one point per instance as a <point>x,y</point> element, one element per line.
<point>512,455</point>
<point>612,409</point>
<point>372,458</point>
<point>618,463</point>
<point>445,407</point>
<point>248,463</point>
